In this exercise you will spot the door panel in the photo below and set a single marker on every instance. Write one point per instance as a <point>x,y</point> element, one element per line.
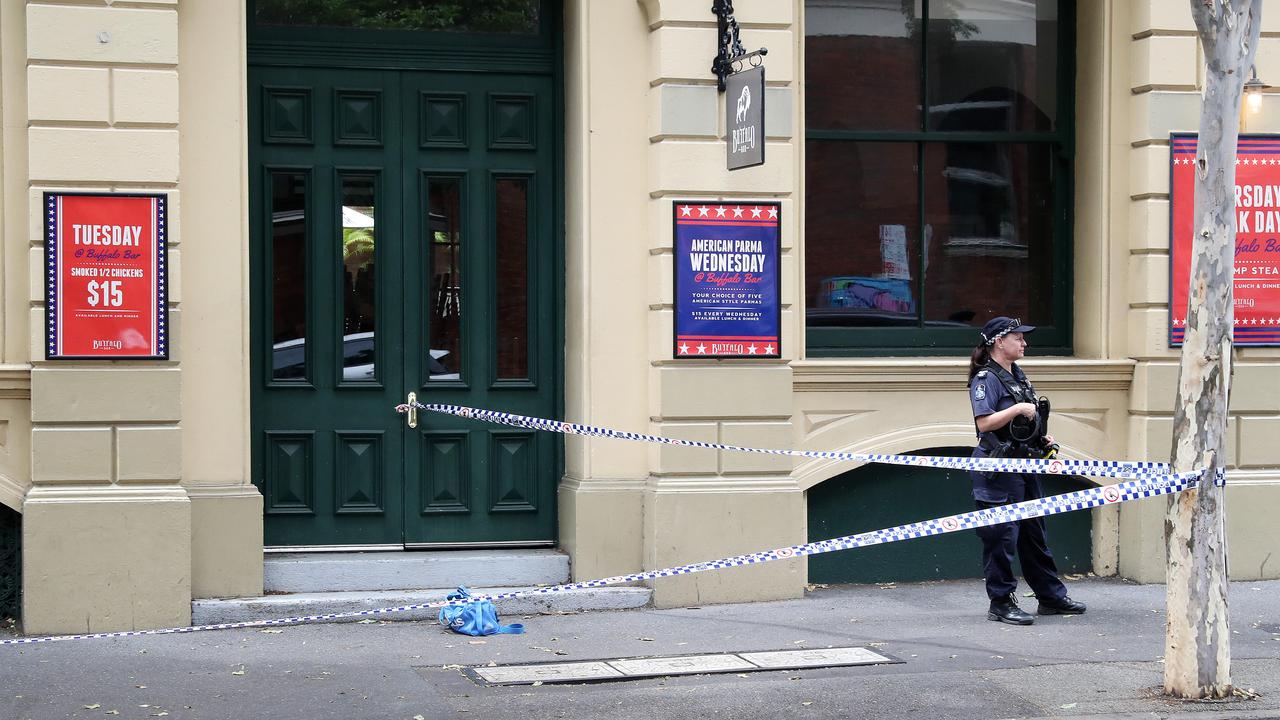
<point>402,240</point>
<point>483,267</point>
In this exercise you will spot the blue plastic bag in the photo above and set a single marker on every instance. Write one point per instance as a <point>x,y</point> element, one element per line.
<point>478,617</point>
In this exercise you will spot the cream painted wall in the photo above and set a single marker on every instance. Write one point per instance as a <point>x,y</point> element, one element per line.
<point>15,373</point>
<point>216,471</point>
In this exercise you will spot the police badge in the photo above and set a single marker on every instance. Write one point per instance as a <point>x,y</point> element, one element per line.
<point>980,392</point>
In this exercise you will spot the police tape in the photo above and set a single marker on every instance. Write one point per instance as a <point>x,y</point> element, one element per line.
<point>1149,482</point>
<point>1122,469</point>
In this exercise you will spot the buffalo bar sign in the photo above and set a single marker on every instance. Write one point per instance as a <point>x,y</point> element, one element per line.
<point>727,280</point>
<point>1256,290</point>
<point>105,276</point>
<point>744,113</point>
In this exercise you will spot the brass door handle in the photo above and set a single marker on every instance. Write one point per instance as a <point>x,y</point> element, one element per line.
<point>413,410</point>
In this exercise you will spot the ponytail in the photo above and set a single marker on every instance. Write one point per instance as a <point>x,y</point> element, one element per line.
<point>981,355</point>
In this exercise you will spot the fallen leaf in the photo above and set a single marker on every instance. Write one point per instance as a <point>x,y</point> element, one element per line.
<point>742,675</point>
<point>367,621</point>
<point>271,631</point>
<point>238,672</point>
<point>94,706</point>
<point>162,713</point>
<point>644,639</point>
<point>536,683</point>
<point>112,712</point>
<point>807,703</point>
<point>1068,706</point>
<point>798,642</point>
<point>418,717</point>
<point>561,652</point>
<point>477,642</point>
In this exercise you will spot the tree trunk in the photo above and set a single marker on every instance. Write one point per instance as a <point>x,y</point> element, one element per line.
<point>1197,661</point>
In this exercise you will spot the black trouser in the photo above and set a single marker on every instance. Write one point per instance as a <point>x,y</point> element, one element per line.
<point>1028,539</point>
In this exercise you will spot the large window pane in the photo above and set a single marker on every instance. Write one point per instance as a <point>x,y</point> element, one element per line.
<point>993,66</point>
<point>444,240</point>
<point>862,65</point>
<point>359,277</point>
<point>989,232</point>
<point>862,243</point>
<point>512,282</point>
<point>499,16</point>
<point>288,275</point>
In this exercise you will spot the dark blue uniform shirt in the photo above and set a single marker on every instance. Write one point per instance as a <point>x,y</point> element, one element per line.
<point>988,395</point>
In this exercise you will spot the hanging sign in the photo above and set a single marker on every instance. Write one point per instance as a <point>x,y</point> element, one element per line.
<point>1257,253</point>
<point>727,279</point>
<point>744,117</point>
<point>105,276</point>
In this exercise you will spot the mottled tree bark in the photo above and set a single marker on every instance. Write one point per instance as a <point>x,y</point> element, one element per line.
<point>1197,660</point>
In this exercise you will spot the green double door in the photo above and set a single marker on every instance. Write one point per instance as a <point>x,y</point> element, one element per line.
<point>402,240</point>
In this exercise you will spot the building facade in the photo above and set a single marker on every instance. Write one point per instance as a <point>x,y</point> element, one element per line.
<point>472,202</point>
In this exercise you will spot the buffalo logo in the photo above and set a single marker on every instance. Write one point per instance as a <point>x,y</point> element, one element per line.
<point>950,524</point>
<point>744,103</point>
<point>1110,494</point>
<point>784,552</point>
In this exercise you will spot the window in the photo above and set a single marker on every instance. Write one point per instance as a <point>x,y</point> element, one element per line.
<point>938,148</point>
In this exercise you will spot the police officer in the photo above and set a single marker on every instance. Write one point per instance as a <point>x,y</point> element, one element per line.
<point>1001,394</point>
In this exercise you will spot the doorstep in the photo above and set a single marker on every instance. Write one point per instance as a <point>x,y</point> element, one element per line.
<point>268,607</point>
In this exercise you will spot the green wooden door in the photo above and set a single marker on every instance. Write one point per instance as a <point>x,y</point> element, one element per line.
<point>402,231</point>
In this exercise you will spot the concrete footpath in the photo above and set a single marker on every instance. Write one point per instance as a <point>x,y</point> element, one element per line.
<point>957,664</point>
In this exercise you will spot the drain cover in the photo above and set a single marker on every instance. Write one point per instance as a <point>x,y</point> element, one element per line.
<point>634,668</point>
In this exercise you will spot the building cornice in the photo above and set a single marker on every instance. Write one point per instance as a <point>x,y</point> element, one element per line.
<point>934,374</point>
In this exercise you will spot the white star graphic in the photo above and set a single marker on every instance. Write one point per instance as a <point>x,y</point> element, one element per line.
<point>751,349</point>
<point>686,210</point>
<point>737,212</point>
<point>684,348</point>
<point>773,213</point>
<point>720,211</point>
<point>702,211</point>
<point>702,349</point>
<point>755,212</point>
<point>768,349</point>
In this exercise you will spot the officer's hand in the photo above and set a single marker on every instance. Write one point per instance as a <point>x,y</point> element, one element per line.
<point>1027,410</point>
<point>1048,440</point>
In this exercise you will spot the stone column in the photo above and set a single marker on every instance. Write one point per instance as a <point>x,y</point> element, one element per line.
<point>700,504</point>
<point>107,524</point>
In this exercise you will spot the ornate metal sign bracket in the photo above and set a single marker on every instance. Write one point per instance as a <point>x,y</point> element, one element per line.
<point>729,49</point>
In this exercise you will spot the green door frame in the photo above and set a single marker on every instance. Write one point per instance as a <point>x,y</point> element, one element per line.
<point>393,50</point>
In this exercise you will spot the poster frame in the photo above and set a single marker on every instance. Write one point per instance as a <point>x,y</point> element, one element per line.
<point>159,283</point>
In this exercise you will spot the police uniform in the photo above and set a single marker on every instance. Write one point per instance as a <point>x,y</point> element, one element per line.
<point>994,389</point>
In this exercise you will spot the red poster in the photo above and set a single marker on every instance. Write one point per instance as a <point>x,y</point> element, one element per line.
<point>1257,263</point>
<point>106,276</point>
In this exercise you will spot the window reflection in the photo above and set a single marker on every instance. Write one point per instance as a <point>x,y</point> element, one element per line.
<point>861,229</point>
<point>512,223</point>
<point>288,275</point>
<point>862,64</point>
<point>444,268</point>
<point>993,66</point>
<point>495,16</point>
<point>359,277</point>
<point>989,210</point>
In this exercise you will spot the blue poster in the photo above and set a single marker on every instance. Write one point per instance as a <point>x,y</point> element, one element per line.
<point>727,299</point>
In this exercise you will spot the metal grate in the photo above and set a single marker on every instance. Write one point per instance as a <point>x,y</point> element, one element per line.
<point>10,565</point>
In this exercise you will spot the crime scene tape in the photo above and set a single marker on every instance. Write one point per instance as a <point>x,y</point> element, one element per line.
<point>1147,480</point>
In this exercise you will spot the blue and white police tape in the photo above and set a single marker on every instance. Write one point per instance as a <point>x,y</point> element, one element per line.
<point>1147,480</point>
<point>1121,469</point>
<point>1067,502</point>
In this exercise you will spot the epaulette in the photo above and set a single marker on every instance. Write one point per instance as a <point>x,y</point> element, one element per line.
<point>981,374</point>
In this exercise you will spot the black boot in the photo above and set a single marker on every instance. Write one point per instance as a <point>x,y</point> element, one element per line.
<point>1064,606</point>
<point>1006,610</point>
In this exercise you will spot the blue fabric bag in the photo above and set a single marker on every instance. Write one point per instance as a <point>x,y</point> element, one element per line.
<point>478,617</point>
